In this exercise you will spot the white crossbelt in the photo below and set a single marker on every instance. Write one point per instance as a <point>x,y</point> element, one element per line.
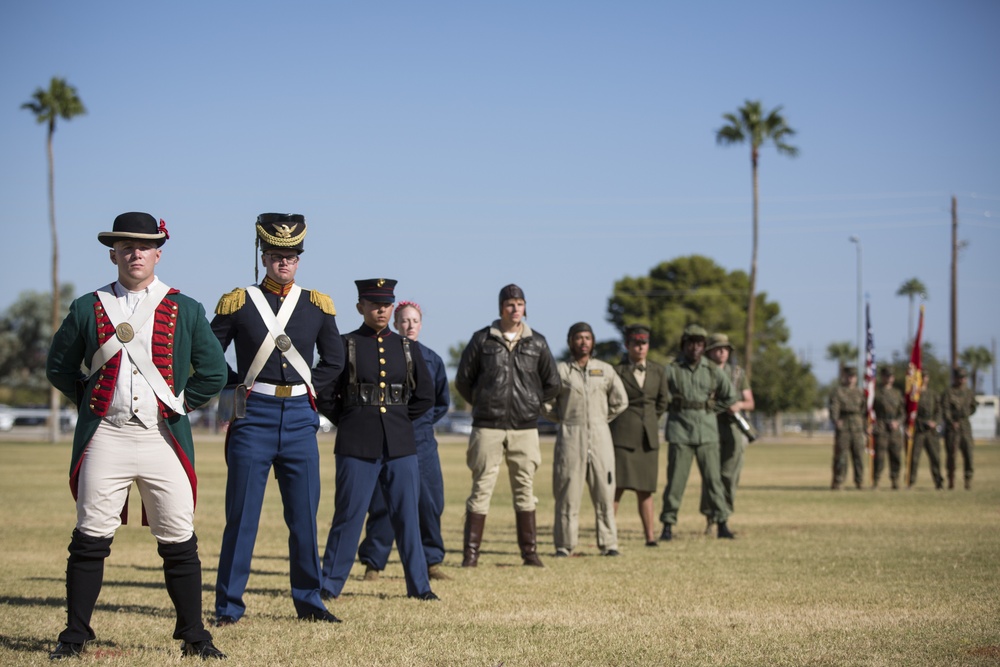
<point>283,390</point>
<point>135,346</point>
<point>276,327</point>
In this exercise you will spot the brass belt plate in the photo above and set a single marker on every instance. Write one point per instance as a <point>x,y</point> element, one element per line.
<point>282,390</point>
<point>124,332</point>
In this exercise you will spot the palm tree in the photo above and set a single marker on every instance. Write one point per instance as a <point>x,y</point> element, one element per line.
<point>910,289</point>
<point>976,358</point>
<point>843,352</point>
<point>59,101</point>
<point>751,123</point>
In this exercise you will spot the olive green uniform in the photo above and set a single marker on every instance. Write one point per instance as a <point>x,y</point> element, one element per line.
<point>695,391</point>
<point>732,444</point>
<point>926,438</point>
<point>847,412</point>
<point>957,405</point>
<point>889,406</point>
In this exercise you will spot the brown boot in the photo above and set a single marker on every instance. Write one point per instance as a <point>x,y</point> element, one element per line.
<point>473,538</point>
<point>526,538</point>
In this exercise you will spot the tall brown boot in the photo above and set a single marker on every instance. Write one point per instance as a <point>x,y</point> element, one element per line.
<point>526,538</point>
<point>473,538</point>
<point>951,480</point>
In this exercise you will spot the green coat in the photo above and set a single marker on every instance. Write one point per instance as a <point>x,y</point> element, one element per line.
<point>639,426</point>
<point>957,405</point>
<point>847,405</point>
<point>190,353</point>
<point>694,393</point>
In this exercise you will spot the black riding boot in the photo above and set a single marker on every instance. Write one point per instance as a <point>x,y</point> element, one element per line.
<point>182,572</point>
<point>84,577</point>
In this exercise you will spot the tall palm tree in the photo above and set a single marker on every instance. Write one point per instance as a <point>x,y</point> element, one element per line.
<point>59,101</point>
<point>752,124</point>
<point>843,352</point>
<point>976,359</point>
<point>912,288</point>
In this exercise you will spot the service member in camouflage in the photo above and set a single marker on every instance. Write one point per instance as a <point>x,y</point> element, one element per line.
<point>732,442</point>
<point>696,388</point>
<point>890,409</point>
<point>847,412</point>
<point>925,435</point>
<point>957,405</point>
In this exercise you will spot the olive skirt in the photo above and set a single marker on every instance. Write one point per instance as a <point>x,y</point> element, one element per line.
<point>637,469</point>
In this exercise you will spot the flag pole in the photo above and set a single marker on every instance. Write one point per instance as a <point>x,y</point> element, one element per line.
<point>914,386</point>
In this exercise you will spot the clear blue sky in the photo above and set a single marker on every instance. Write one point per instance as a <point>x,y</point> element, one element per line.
<point>460,146</point>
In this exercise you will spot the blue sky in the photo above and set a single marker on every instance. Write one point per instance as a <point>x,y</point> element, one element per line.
<point>460,146</point>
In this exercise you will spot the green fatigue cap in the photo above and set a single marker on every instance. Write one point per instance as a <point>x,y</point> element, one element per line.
<point>849,370</point>
<point>694,331</point>
<point>718,340</point>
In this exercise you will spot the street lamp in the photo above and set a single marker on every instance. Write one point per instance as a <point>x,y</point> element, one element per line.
<point>861,325</point>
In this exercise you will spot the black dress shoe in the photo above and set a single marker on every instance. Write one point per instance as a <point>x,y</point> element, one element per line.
<point>426,597</point>
<point>652,543</point>
<point>611,552</point>
<point>724,533</point>
<point>320,617</point>
<point>223,621</point>
<point>65,650</point>
<point>204,649</point>
<point>326,595</point>
<point>667,533</point>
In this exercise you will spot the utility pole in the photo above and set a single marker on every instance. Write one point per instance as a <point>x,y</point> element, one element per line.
<point>954,282</point>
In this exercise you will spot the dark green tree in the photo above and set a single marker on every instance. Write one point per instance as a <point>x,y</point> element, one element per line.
<point>844,352</point>
<point>60,100</point>
<point>976,359</point>
<point>25,333</point>
<point>783,383</point>
<point>752,124</point>
<point>696,290</point>
<point>911,289</point>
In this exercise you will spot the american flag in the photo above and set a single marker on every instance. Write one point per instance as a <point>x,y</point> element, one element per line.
<point>869,382</point>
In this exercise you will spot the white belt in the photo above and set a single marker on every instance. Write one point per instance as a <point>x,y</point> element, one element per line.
<point>280,390</point>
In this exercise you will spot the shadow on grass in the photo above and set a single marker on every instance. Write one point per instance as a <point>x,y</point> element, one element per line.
<point>35,645</point>
<point>60,602</point>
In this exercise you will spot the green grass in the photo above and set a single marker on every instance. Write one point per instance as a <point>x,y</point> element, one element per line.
<point>814,577</point>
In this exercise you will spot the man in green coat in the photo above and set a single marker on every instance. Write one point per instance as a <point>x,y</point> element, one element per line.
<point>890,409</point>
<point>732,442</point>
<point>847,412</point>
<point>925,435</point>
<point>696,389</point>
<point>152,358</point>
<point>957,405</point>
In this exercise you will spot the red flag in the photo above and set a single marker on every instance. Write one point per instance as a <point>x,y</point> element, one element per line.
<point>914,385</point>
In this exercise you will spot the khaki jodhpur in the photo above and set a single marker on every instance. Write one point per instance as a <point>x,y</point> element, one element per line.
<point>488,447</point>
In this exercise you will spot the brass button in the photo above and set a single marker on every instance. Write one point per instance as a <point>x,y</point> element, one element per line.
<point>382,409</point>
<point>284,365</point>
<point>382,361</point>
<point>381,350</point>
<point>134,372</point>
<point>135,398</point>
<point>382,385</point>
<point>381,374</point>
<point>380,339</point>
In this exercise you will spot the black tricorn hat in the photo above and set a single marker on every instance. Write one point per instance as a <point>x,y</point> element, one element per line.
<point>377,290</point>
<point>135,226</point>
<point>281,230</point>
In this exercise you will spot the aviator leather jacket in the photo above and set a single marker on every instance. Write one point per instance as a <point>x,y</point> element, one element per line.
<point>507,387</point>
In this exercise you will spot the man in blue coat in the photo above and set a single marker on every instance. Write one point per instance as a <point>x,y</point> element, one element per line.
<point>275,327</point>
<point>384,387</point>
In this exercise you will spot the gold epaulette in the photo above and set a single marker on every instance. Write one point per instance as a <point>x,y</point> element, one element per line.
<point>323,302</point>
<point>231,302</point>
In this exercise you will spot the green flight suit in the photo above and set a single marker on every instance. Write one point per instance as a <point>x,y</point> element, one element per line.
<point>926,438</point>
<point>889,406</point>
<point>847,412</point>
<point>695,392</point>
<point>957,405</point>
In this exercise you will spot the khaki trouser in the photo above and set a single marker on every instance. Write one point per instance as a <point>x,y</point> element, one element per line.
<point>488,447</point>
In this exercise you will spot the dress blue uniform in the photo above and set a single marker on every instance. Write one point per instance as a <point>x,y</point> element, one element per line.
<point>279,431</point>
<point>375,548</point>
<point>382,390</point>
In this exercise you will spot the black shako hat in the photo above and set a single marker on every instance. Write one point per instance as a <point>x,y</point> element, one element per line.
<point>377,290</point>
<point>135,226</point>
<point>285,231</point>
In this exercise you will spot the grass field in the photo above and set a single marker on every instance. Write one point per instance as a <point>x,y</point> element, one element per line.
<point>814,577</point>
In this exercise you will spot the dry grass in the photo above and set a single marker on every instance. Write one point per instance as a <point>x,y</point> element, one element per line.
<point>814,578</point>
